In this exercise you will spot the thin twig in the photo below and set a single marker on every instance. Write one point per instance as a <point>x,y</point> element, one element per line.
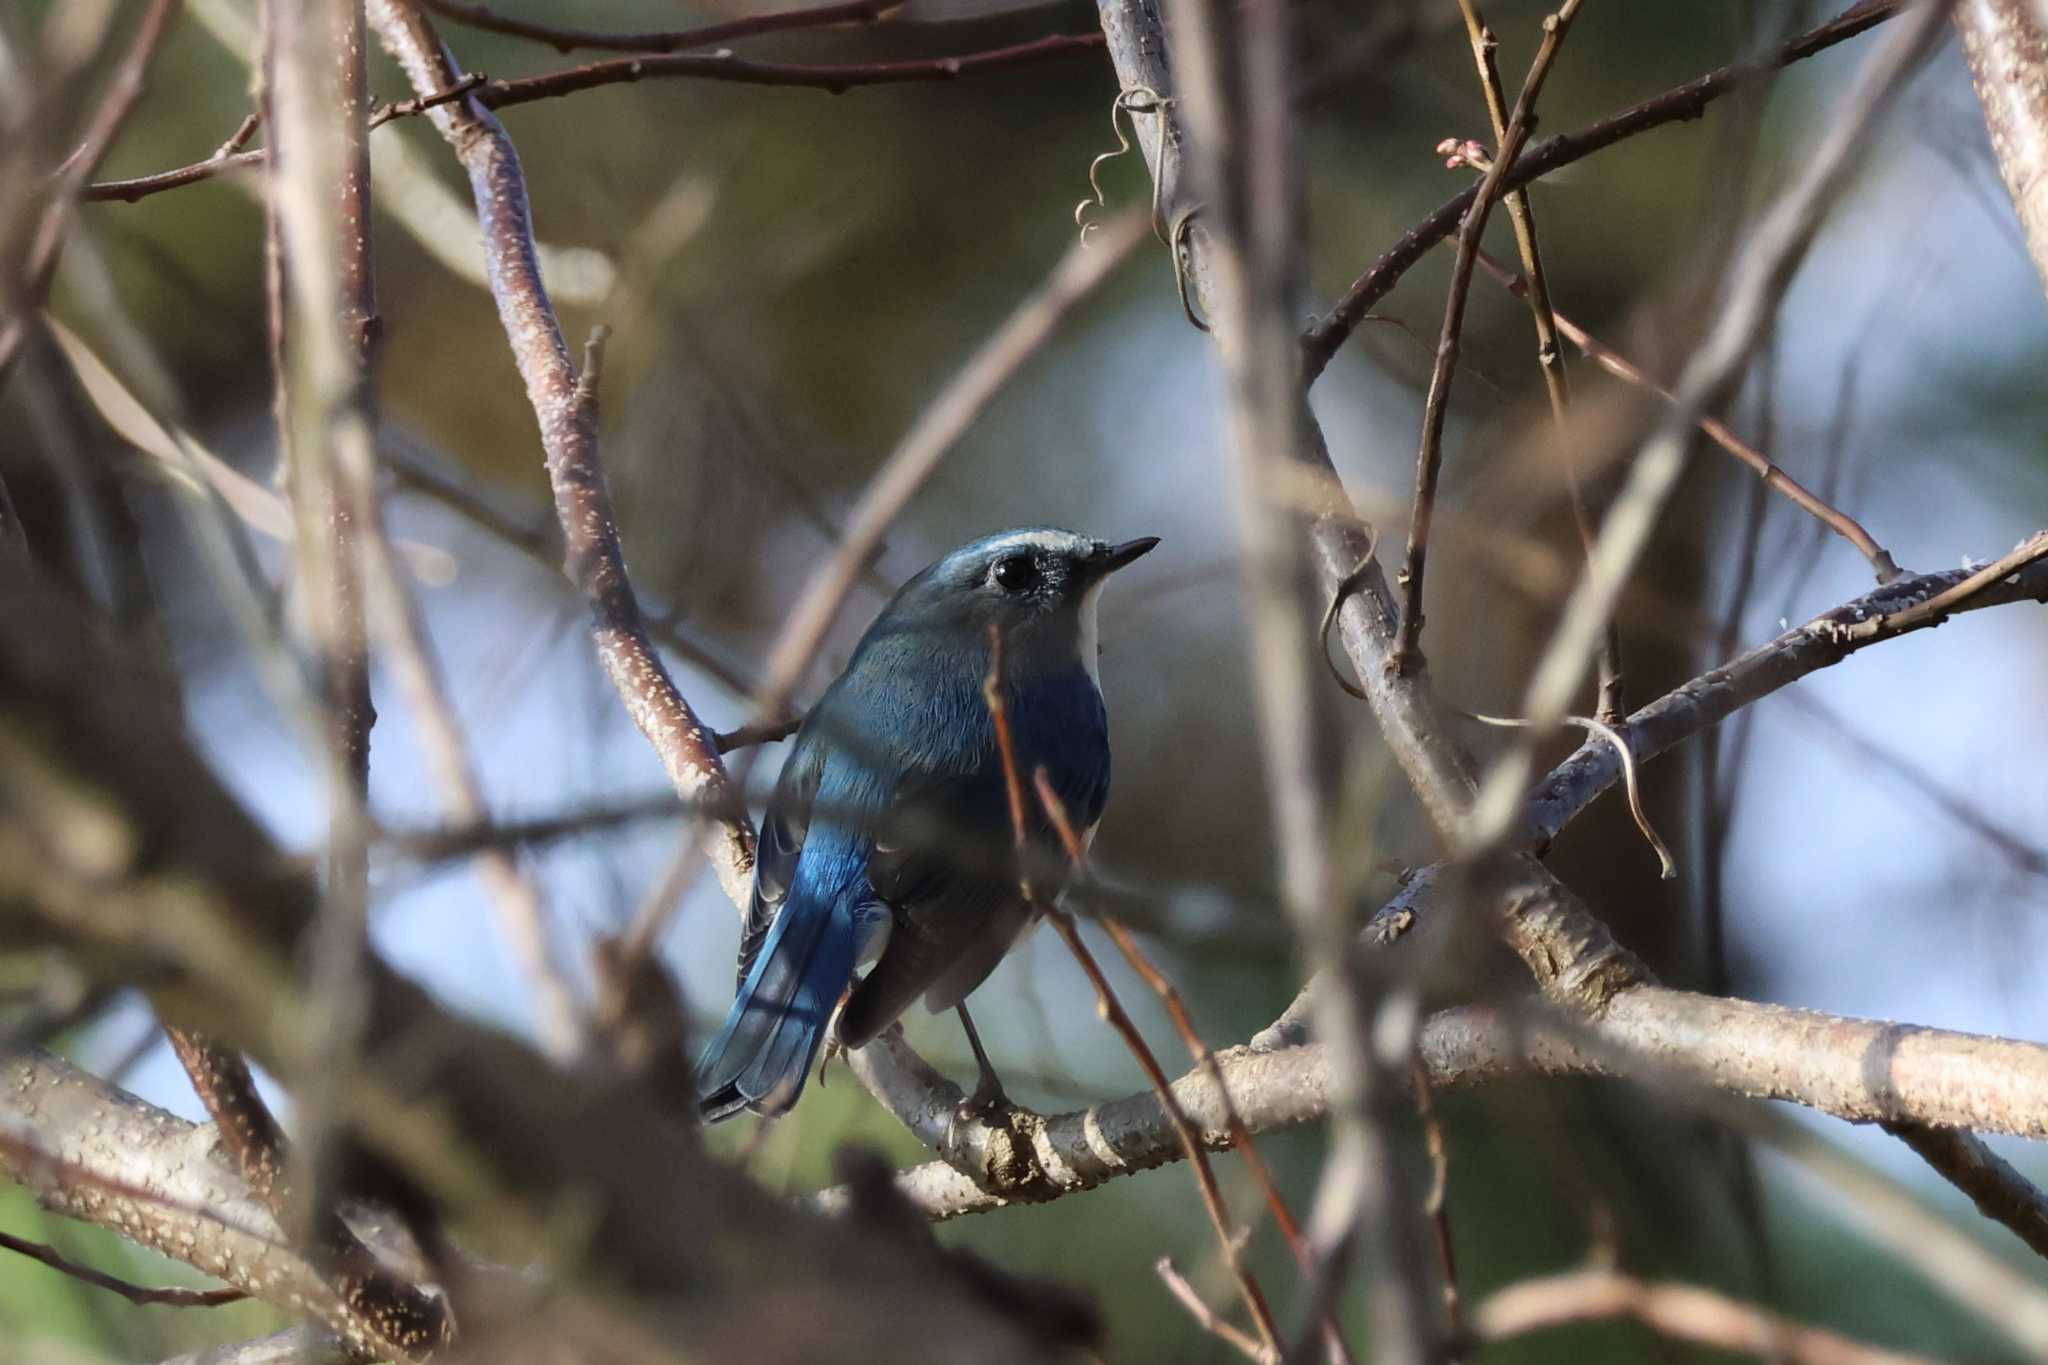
<point>1228,72</point>
<point>1199,1050</point>
<point>134,1293</point>
<point>831,78</point>
<point>1407,655</point>
<point>1667,867</point>
<point>543,547</point>
<point>563,39</point>
<point>1766,469</point>
<point>142,186</point>
<point>1682,1311</point>
<point>1224,1330</point>
<point>1780,243</point>
<point>1999,1191</point>
<point>1549,356</point>
<point>1676,105</point>
<point>1930,612</point>
<point>522,919</point>
<point>930,439</point>
<point>22,295</point>
<point>2025,855</point>
<point>419,104</point>
<point>500,94</point>
<point>1722,691</point>
<point>1436,1204</point>
<point>1112,1012</point>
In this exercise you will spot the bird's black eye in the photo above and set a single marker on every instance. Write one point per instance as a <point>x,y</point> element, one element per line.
<point>1017,573</point>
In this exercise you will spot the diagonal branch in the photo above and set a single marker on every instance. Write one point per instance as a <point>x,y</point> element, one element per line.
<point>1682,1312</point>
<point>1859,1070</point>
<point>1676,105</point>
<point>1756,283</point>
<point>1407,654</point>
<point>2005,43</point>
<point>26,283</point>
<point>141,1295</point>
<point>565,403</point>
<point>1717,694</point>
<point>1549,355</point>
<point>1774,477</point>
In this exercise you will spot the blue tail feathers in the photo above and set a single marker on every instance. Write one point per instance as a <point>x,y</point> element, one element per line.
<point>762,1056</point>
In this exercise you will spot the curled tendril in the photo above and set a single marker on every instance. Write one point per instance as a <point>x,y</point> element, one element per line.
<point>1348,585</point>
<point>1141,99</point>
<point>1667,866</point>
<point>1181,255</point>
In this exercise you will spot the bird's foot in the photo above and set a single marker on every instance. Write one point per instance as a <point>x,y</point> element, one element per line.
<point>987,1101</point>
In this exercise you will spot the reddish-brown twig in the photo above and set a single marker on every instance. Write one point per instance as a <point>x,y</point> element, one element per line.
<point>1407,652</point>
<point>142,186</point>
<point>564,39</point>
<point>134,1293</point>
<point>831,78</point>
<point>1112,1012</point>
<point>1184,1024</point>
<point>1676,105</point>
<point>1224,1330</point>
<point>1436,1204</point>
<point>1612,705</point>
<point>1774,478</point>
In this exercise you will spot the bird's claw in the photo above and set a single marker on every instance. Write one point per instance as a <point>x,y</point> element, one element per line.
<point>987,1102</point>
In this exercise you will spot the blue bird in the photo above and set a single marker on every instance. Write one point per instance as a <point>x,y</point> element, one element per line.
<point>888,839</point>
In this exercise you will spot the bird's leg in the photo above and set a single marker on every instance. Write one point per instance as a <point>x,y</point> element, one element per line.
<point>833,1047</point>
<point>988,1094</point>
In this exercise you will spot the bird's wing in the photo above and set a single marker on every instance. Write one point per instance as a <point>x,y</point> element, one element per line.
<point>944,856</point>
<point>783,830</point>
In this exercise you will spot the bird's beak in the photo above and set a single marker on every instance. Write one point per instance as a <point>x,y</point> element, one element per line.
<point>1115,557</point>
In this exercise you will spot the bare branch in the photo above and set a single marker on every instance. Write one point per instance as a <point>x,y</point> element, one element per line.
<point>1774,477</point>
<point>2005,43</point>
<point>1549,355</point>
<point>294,1346</point>
<point>857,12</point>
<point>2000,1192</point>
<point>1681,1311</point>
<point>1107,1006</point>
<point>1826,640</point>
<point>1205,1317</point>
<point>832,79</point>
<point>134,1293</point>
<point>1863,1071</point>
<point>26,283</point>
<point>1755,285</point>
<point>1684,102</point>
<point>568,428</point>
<point>87,1150</point>
<point>1407,654</point>
<point>930,439</point>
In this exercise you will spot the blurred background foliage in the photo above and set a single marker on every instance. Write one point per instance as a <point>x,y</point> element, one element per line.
<point>793,274</point>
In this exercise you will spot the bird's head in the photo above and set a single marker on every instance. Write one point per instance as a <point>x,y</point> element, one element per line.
<point>1038,587</point>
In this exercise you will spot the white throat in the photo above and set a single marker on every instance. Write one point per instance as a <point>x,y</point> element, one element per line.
<point>1091,632</point>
